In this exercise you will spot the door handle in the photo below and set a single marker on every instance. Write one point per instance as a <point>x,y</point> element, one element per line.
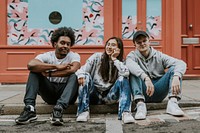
<point>190,26</point>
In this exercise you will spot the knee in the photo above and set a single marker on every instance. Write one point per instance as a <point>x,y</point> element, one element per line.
<point>134,78</point>
<point>88,79</point>
<point>73,76</point>
<point>121,79</point>
<point>34,74</point>
<point>171,70</point>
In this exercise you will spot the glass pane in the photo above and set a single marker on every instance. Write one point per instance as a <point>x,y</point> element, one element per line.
<point>29,21</point>
<point>40,18</point>
<point>154,21</point>
<point>129,18</point>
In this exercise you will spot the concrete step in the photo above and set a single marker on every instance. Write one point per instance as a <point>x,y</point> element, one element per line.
<point>42,108</point>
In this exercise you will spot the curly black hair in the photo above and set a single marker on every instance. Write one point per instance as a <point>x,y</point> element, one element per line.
<point>63,31</point>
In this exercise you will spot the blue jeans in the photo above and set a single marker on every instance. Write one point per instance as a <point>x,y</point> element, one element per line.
<point>162,87</point>
<point>88,94</point>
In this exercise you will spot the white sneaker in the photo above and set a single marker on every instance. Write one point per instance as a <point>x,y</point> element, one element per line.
<point>83,117</point>
<point>173,108</point>
<point>141,111</point>
<point>127,117</point>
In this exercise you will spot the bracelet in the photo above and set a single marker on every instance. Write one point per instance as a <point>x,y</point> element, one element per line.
<point>49,73</point>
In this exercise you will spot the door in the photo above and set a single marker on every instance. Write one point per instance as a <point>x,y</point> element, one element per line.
<point>190,49</point>
<point>142,15</point>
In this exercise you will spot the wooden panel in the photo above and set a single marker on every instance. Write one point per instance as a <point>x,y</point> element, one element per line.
<point>191,55</point>
<point>184,18</point>
<point>196,18</point>
<point>184,54</point>
<point>18,60</point>
<point>196,57</point>
<point>190,17</point>
<point>3,22</point>
<point>13,68</point>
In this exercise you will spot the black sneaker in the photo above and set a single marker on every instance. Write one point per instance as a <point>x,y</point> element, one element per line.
<point>56,116</point>
<point>26,116</point>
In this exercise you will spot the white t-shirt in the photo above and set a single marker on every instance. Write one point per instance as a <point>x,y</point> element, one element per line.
<point>50,58</point>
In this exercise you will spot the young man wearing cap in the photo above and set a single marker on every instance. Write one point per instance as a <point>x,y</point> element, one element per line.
<point>150,82</point>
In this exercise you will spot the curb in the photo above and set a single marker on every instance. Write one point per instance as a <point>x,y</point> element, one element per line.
<point>16,109</point>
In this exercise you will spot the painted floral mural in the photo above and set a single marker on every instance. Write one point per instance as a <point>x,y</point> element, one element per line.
<point>129,26</point>
<point>154,27</point>
<point>91,32</point>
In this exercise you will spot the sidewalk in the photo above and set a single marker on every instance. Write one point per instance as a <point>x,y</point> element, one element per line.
<point>11,100</point>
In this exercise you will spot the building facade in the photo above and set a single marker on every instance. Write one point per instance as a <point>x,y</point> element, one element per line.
<point>26,27</point>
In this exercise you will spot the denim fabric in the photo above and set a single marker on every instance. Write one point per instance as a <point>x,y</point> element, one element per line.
<point>52,93</point>
<point>88,94</point>
<point>162,87</point>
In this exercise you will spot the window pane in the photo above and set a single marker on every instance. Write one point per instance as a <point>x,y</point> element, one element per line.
<point>129,18</point>
<point>154,20</point>
<point>29,21</point>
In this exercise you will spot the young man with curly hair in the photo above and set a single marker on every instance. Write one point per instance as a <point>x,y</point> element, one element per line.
<point>52,76</point>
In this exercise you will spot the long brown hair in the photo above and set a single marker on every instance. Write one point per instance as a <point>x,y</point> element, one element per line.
<point>104,68</point>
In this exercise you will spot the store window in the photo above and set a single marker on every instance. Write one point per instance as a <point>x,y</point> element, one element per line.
<point>129,18</point>
<point>31,22</point>
<point>153,19</point>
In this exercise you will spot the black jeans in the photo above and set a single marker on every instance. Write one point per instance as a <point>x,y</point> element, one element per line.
<point>52,93</point>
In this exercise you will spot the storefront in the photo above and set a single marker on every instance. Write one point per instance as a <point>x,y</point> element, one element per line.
<point>26,26</point>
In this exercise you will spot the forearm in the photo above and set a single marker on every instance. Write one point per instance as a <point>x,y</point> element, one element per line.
<point>65,72</point>
<point>42,68</point>
<point>61,73</point>
<point>38,66</point>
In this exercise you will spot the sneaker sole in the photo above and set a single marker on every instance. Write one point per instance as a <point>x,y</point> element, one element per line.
<point>83,120</point>
<point>128,122</point>
<point>57,123</point>
<point>178,115</point>
<point>26,122</point>
<point>140,118</point>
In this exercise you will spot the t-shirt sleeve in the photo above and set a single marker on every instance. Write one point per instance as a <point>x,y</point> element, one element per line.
<point>75,57</point>
<point>43,57</point>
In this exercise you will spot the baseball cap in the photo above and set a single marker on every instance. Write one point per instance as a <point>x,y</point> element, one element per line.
<point>138,33</point>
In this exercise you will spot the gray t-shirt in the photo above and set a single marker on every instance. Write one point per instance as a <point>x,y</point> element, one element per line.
<point>50,58</point>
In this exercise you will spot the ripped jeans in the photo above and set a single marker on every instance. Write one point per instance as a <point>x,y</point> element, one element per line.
<point>120,90</point>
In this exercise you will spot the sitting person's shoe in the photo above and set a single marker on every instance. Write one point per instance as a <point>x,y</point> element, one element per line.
<point>173,108</point>
<point>83,117</point>
<point>56,116</point>
<point>141,111</point>
<point>127,117</point>
<point>27,116</point>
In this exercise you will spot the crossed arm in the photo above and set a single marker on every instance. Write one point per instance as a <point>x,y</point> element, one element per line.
<point>62,70</point>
